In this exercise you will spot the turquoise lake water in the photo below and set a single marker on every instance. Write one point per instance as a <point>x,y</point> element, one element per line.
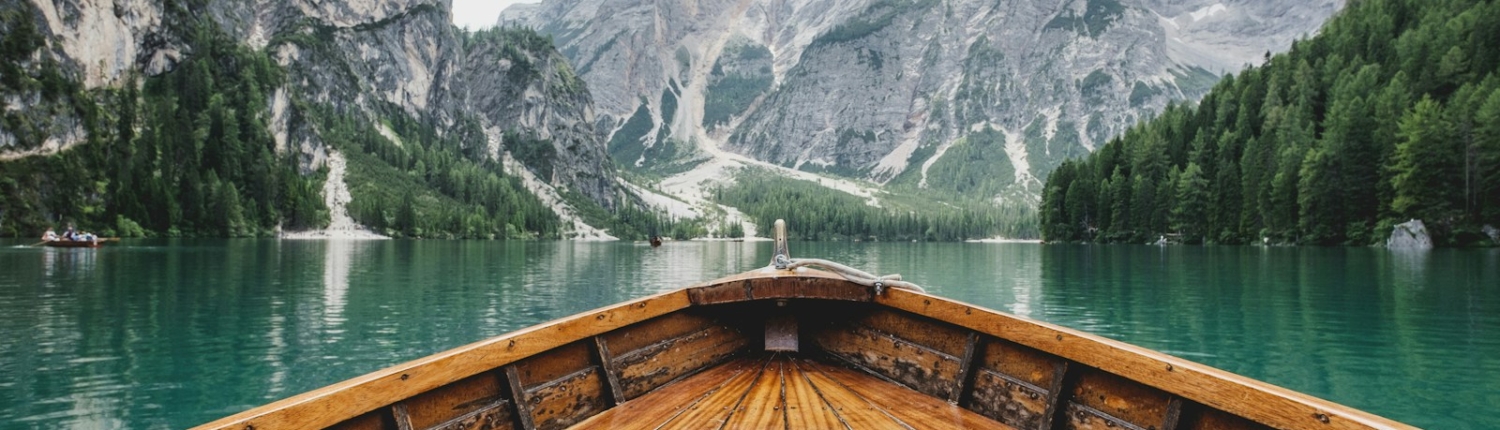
<point>174,333</point>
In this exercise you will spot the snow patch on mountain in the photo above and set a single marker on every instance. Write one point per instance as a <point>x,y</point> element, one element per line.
<point>1208,11</point>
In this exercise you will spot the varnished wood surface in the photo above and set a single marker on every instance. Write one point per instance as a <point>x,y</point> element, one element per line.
<point>1259,401</point>
<point>786,391</point>
<point>330,405</point>
<point>692,359</point>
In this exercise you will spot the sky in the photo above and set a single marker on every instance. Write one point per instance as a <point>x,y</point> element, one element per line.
<point>477,14</point>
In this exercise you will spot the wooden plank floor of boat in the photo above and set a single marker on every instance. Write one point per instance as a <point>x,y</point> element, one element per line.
<point>785,391</point>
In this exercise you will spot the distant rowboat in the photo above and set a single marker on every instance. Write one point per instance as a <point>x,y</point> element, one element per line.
<point>75,243</point>
<point>78,243</point>
<point>791,347</point>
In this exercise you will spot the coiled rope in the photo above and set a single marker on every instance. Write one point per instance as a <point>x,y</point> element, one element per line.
<point>879,283</point>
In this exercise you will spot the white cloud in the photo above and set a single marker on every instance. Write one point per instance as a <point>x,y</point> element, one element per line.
<point>477,14</point>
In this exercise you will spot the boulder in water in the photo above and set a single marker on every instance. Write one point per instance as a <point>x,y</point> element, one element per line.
<point>1409,235</point>
<point>1492,232</point>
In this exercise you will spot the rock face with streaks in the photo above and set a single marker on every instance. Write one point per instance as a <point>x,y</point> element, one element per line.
<point>1410,235</point>
<point>884,89</point>
<point>375,61</point>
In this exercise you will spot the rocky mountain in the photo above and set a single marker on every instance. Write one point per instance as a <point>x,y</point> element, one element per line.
<point>973,98</point>
<point>395,68</point>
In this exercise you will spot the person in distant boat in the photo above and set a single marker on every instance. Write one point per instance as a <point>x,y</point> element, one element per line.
<point>49,235</point>
<point>70,233</point>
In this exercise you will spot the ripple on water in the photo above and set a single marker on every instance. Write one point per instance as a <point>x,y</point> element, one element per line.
<point>179,334</point>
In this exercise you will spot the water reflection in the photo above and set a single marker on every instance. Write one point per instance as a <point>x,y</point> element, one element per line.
<point>1370,328</point>
<point>67,261</point>
<point>174,333</point>
<point>1408,267</point>
<point>339,257</point>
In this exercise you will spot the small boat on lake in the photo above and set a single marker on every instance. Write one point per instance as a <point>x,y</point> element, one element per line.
<point>63,243</point>
<point>794,347</point>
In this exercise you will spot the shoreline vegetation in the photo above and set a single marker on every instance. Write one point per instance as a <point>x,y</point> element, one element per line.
<point>1391,113</point>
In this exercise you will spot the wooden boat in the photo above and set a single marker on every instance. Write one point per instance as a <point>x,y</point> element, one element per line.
<point>800,349</point>
<point>74,243</point>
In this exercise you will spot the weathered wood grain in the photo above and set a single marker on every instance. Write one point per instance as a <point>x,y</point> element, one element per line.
<point>656,407</point>
<point>1199,417</point>
<point>928,371</point>
<point>568,399</point>
<point>548,366</point>
<point>763,407</point>
<point>804,285</point>
<point>966,368</point>
<point>677,324</point>
<point>1009,401</point>
<point>453,400</point>
<point>909,407</point>
<point>852,410</point>
<point>934,335</point>
<point>399,415</point>
<point>606,361</point>
<point>1121,398</point>
<point>1259,401</point>
<point>379,419</point>
<point>713,410</point>
<point>338,402</point>
<point>650,367</point>
<point>805,407</point>
<point>494,416</point>
<point>524,415</point>
<point>1020,362</point>
<point>913,345</point>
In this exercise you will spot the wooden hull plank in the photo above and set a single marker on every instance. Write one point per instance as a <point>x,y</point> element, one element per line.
<point>921,368</point>
<point>852,410</point>
<point>482,391</point>
<point>547,367</point>
<point>1113,398</point>
<point>1013,384</point>
<point>630,339</point>
<point>805,407</point>
<point>1256,400</point>
<point>791,287</point>
<point>335,403</point>
<point>763,407</point>
<point>656,407</point>
<point>568,400</point>
<point>932,334</point>
<point>1008,401</point>
<point>714,409</point>
<point>496,416</point>
<point>912,409</point>
<point>379,419</point>
<point>651,367</point>
<point>908,360</point>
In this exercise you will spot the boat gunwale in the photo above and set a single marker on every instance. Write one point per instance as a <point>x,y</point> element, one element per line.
<point>332,404</point>
<point>1253,399</point>
<point>1256,400</point>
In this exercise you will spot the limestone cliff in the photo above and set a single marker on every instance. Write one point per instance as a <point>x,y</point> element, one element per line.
<point>374,61</point>
<point>886,90</point>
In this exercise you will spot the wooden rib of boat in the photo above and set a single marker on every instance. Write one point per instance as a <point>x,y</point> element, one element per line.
<point>74,243</point>
<point>800,349</point>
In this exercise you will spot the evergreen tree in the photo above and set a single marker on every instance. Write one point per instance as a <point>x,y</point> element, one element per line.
<point>1424,162</point>
<point>1322,144</point>
<point>1191,205</point>
<point>1487,158</point>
